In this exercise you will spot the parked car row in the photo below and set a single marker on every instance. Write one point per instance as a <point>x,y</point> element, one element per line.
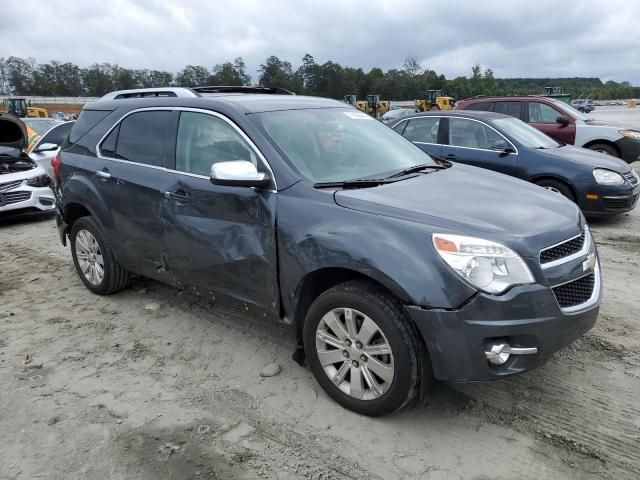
<point>564,124</point>
<point>391,266</point>
<point>599,184</point>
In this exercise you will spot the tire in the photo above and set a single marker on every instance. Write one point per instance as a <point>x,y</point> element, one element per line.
<point>604,148</point>
<point>378,391</point>
<point>557,186</point>
<point>88,239</point>
<point>581,110</point>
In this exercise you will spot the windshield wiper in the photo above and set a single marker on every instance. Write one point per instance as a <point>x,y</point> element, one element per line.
<point>355,183</point>
<point>416,168</point>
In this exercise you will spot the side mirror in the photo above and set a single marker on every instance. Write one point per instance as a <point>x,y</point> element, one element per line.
<point>238,173</point>
<point>501,146</point>
<point>46,147</point>
<point>562,120</point>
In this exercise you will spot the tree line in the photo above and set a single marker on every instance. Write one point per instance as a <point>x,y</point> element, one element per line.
<point>24,76</point>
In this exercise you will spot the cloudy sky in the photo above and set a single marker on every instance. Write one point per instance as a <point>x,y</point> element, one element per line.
<point>536,38</point>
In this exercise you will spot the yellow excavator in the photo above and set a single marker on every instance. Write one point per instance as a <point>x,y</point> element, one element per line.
<point>18,106</point>
<point>372,105</point>
<point>434,100</point>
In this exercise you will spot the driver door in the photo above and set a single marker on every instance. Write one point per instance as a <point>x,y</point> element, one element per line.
<point>471,142</point>
<point>220,239</point>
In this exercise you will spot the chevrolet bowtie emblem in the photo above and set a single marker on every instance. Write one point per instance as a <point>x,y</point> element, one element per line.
<point>589,263</point>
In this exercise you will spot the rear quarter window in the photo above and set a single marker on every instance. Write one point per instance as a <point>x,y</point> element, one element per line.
<point>86,121</point>
<point>482,106</point>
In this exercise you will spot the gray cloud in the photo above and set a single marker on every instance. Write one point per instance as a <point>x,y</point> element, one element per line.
<point>516,39</point>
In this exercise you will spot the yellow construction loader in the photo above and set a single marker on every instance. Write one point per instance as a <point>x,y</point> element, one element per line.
<point>372,105</point>
<point>18,106</point>
<point>434,100</point>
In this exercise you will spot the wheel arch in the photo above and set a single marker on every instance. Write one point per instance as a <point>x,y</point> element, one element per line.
<point>555,178</point>
<point>609,143</point>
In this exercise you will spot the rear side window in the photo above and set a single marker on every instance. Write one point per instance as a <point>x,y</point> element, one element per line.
<point>482,106</point>
<point>508,108</point>
<point>147,138</point>
<point>424,130</point>
<point>86,121</point>
<point>108,146</point>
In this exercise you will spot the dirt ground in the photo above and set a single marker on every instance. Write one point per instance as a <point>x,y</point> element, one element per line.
<point>156,383</point>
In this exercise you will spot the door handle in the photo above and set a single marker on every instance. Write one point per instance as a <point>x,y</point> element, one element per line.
<point>450,156</point>
<point>103,174</point>
<point>178,195</point>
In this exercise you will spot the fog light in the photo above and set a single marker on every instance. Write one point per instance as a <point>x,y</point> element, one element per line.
<point>499,353</point>
<point>592,196</point>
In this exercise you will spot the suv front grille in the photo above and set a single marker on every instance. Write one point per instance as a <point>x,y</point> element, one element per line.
<point>10,185</point>
<point>576,292</point>
<point>15,197</point>
<point>565,249</point>
<point>631,177</point>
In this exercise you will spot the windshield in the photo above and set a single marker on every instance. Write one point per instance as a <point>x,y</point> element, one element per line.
<point>570,110</point>
<point>525,134</point>
<point>41,126</point>
<point>336,145</point>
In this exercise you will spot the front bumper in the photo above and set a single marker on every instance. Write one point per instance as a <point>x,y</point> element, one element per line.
<point>27,200</point>
<point>629,149</point>
<point>526,316</point>
<point>612,199</point>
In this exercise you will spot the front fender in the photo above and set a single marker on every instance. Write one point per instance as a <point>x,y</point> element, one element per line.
<point>315,233</point>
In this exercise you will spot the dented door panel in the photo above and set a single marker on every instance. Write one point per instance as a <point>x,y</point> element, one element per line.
<point>222,239</point>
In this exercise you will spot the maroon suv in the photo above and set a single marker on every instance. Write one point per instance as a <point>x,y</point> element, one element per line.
<point>564,124</point>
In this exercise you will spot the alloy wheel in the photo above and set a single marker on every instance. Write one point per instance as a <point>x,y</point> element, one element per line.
<point>354,353</point>
<point>89,257</point>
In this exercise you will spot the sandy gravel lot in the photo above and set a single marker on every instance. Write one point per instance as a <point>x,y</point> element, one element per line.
<point>156,383</point>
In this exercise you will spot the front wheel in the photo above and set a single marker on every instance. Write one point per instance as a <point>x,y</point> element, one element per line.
<point>604,148</point>
<point>362,349</point>
<point>558,187</point>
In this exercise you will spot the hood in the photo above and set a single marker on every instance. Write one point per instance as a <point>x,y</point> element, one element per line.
<point>589,157</point>
<point>616,125</point>
<point>13,132</point>
<point>476,202</point>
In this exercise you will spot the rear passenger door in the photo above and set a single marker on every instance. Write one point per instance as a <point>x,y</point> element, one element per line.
<point>133,179</point>
<point>543,117</point>
<point>473,142</point>
<point>220,239</point>
<point>424,132</point>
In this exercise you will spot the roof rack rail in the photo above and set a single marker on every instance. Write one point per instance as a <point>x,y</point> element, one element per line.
<point>149,92</point>
<point>242,89</point>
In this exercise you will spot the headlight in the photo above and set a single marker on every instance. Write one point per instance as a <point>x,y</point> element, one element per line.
<point>630,133</point>
<point>488,265</point>
<point>39,181</point>
<point>607,177</point>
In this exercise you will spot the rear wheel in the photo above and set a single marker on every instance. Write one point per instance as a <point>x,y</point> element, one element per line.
<point>581,110</point>
<point>362,349</point>
<point>94,260</point>
<point>557,186</point>
<point>604,148</point>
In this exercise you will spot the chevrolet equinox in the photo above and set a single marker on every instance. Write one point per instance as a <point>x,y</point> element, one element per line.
<point>392,267</point>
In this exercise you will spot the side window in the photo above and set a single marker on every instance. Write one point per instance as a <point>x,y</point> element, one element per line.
<point>542,113</point>
<point>483,106</point>
<point>204,140</point>
<point>423,130</point>
<point>508,108</point>
<point>146,137</point>
<point>57,134</point>
<point>400,127</point>
<point>108,146</point>
<point>471,134</point>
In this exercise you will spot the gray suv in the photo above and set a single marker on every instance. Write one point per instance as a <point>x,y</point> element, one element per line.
<point>390,266</point>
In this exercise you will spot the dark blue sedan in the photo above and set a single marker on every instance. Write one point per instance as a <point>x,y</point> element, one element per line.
<point>599,184</point>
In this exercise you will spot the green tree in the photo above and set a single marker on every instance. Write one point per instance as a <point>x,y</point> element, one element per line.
<point>276,73</point>
<point>192,76</point>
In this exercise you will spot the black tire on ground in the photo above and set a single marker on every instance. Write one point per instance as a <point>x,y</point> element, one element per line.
<point>387,312</point>
<point>558,187</point>
<point>581,110</point>
<point>604,148</point>
<point>115,277</point>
